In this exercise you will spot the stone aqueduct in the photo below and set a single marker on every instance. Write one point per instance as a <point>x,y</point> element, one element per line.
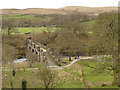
<point>43,53</point>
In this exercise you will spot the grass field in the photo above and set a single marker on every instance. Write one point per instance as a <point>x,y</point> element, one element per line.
<point>30,16</point>
<point>22,30</point>
<point>94,78</point>
<point>89,25</point>
<point>70,77</point>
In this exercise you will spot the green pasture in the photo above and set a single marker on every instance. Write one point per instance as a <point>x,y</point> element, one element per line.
<point>23,30</point>
<point>69,77</point>
<point>25,16</point>
<point>30,16</point>
<point>95,77</point>
<point>33,81</point>
<point>89,25</point>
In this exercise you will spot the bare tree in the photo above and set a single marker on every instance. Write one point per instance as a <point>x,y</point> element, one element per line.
<point>106,41</point>
<point>10,26</point>
<point>48,77</point>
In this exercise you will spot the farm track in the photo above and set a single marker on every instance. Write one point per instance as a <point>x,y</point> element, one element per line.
<point>55,67</point>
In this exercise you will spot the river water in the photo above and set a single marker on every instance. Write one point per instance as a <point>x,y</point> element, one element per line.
<point>19,60</point>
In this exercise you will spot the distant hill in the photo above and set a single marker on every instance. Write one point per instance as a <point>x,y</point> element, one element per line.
<point>90,10</point>
<point>65,10</point>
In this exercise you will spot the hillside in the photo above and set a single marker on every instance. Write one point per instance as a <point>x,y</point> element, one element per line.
<point>65,10</point>
<point>89,10</point>
<point>31,11</point>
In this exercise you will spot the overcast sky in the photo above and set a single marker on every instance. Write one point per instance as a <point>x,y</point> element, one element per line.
<point>22,4</point>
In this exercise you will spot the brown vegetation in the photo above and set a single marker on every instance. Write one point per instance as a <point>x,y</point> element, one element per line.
<point>65,10</point>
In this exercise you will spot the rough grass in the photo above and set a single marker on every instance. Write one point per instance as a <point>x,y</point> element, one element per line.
<point>65,10</point>
<point>65,60</point>
<point>70,77</point>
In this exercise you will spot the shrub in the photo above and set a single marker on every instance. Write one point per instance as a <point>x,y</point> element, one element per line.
<point>24,84</point>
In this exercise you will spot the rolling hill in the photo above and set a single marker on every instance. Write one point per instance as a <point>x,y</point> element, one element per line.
<point>65,10</point>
